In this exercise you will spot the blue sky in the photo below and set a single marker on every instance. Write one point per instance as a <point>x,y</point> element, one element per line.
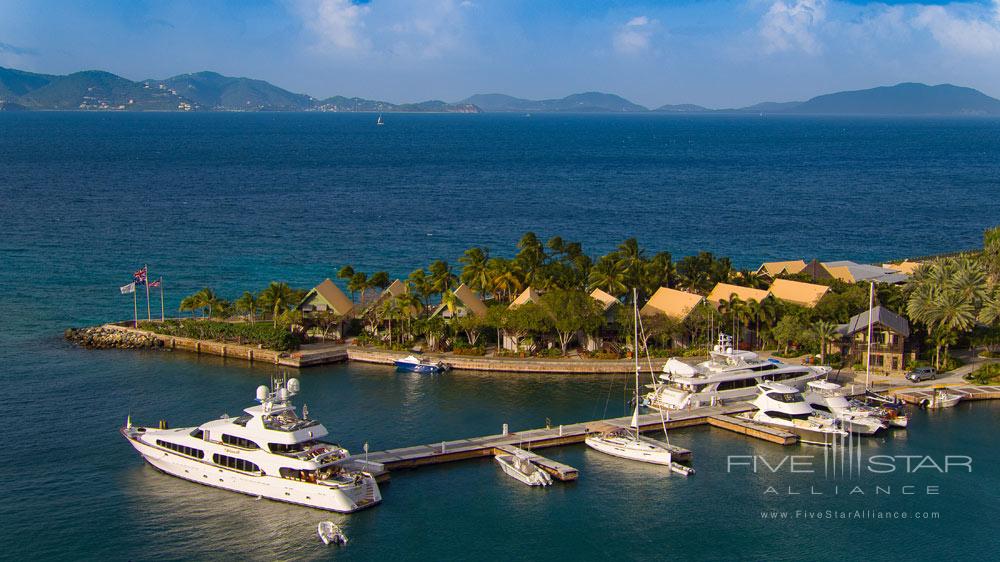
<point>716,53</point>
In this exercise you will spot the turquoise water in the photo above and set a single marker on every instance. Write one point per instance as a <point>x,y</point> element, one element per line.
<point>233,201</point>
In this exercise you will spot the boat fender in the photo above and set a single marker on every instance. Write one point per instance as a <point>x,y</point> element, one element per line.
<point>925,402</point>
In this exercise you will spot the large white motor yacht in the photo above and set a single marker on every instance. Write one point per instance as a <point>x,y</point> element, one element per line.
<point>269,451</point>
<point>827,397</point>
<point>729,374</point>
<point>784,407</point>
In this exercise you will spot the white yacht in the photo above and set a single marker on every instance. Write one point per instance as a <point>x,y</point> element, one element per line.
<point>521,468</point>
<point>941,399</point>
<point>827,397</point>
<point>783,406</point>
<point>729,374</point>
<point>269,451</point>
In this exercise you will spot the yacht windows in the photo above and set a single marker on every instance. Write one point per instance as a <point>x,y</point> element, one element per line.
<point>198,434</point>
<point>786,416</point>
<point>182,449</point>
<point>736,384</point>
<point>242,420</point>
<point>764,367</point>
<point>235,463</point>
<point>686,387</point>
<point>282,448</point>
<point>786,397</point>
<point>298,474</point>
<point>820,407</point>
<point>238,442</point>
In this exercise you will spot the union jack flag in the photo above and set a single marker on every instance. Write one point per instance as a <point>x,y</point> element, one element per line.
<point>140,276</point>
<point>156,283</point>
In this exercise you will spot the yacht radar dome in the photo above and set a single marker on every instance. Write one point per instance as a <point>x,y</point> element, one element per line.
<point>292,386</point>
<point>262,392</point>
<point>281,395</point>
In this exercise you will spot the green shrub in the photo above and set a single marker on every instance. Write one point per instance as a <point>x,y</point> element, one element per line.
<point>987,374</point>
<point>263,334</point>
<point>550,352</point>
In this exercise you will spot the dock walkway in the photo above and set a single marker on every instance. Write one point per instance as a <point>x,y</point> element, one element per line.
<point>488,445</point>
<point>968,392</point>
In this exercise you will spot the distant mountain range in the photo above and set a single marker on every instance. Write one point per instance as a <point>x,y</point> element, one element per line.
<point>210,91</point>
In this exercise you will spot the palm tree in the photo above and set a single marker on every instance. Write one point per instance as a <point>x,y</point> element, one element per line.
<point>420,285</point>
<point>358,284</point>
<point>825,332</point>
<point>204,300</point>
<point>990,313</point>
<point>441,277</point>
<point>475,272</point>
<point>347,273</point>
<point>277,298</point>
<point>530,256</point>
<point>631,258</point>
<point>248,303</point>
<point>505,278</point>
<point>608,275</point>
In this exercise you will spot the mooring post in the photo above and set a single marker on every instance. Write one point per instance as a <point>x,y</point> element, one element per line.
<point>505,432</point>
<point>560,430</point>
<point>442,446</point>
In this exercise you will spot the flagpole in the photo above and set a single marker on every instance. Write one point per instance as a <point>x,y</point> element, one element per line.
<point>149,314</point>
<point>162,315</point>
<point>135,306</point>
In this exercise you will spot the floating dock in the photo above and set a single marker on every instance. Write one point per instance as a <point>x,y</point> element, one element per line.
<point>557,470</point>
<point>489,445</point>
<point>753,429</point>
<point>968,392</point>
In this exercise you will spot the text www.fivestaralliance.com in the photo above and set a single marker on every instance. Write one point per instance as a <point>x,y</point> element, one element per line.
<point>867,514</point>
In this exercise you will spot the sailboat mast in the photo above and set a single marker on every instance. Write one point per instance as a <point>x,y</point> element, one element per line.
<point>868,356</point>
<point>635,356</point>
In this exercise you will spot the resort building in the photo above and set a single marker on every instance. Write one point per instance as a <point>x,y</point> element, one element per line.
<point>773,269</point>
<point>813,269</point>
<point>327,298</point>
<point>671,302</point>
<point>609,306</point>
<point>851,272</point>
<point>797,292</point>
<point>725,291</point>
<point>906,266</point>
<point>891,352</point>
<point>468,303</point>
<point>526,296</point>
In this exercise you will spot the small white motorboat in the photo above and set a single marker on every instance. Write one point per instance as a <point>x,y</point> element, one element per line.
<point>521,468</point>
<point>330,532</point>
<point>941,399</point>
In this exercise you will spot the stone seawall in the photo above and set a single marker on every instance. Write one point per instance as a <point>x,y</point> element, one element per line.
<point>504,364</point>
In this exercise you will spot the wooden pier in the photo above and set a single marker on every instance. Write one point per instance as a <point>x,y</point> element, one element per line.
<point>968,392</point>
<point>752,429</point>
<point>557,470</point>
<point>489,445</point>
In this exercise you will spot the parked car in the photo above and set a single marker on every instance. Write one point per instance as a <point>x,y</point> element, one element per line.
<point>922,374</point>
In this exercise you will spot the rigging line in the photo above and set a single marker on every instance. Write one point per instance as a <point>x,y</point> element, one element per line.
<point>649,361</point>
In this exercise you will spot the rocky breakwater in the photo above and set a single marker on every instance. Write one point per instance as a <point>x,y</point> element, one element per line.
<point>105,338</point>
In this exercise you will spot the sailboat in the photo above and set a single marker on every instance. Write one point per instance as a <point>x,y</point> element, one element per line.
<point>628,443</point>
<point>379,121</point>
<point>888,407</point>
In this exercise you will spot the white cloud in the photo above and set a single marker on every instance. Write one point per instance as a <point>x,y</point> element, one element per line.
<point>337,24</point>
<point>791,25</point>
<point>635,36</point>
<point>972,34</point>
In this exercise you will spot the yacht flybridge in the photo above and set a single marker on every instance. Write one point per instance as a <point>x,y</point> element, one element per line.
<point>269,451</point>
<point>784,407</point>
<point>729,374</point>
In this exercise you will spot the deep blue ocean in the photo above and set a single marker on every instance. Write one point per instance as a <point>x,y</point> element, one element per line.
<point>233,201</point>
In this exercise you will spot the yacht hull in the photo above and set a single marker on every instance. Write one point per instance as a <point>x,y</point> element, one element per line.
<point>637,451</point>
<point>342,500</point>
